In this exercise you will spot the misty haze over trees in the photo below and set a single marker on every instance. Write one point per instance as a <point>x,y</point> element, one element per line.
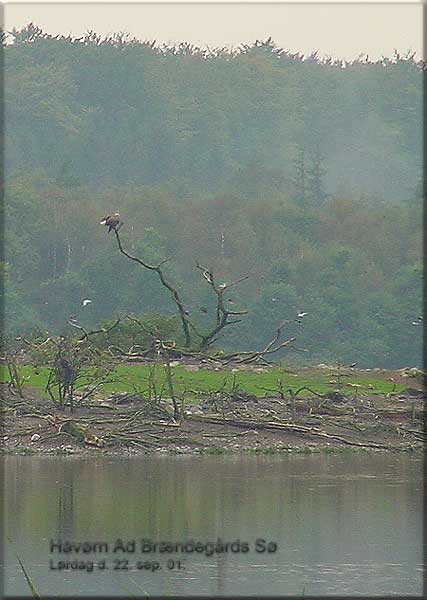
<point>305,173</point>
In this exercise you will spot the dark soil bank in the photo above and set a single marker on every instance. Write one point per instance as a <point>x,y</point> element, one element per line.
<point>121,424</point>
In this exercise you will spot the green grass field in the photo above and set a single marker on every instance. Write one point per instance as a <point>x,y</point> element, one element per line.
<point>129,378</point>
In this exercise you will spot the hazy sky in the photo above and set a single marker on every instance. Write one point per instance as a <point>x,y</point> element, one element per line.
<point>342,30</point>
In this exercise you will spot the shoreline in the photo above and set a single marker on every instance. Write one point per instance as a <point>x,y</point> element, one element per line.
<point>215,451</point>
<point>125,425</point>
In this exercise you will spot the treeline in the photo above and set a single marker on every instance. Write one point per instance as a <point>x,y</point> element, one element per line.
<point>118,111</point>
<point>302,173</point>
<point>354,267</point>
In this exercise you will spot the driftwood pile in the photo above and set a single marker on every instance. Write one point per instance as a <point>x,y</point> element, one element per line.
<point>130,421</point>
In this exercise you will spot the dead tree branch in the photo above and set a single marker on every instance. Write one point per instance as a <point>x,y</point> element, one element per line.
<point>222,313</point>
<point>88,334</point>
<point>270,348</point>
<point>225,317</point>
<point>174,293</point>
<point>286,427</point>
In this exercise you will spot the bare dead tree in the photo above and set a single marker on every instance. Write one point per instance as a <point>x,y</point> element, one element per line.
<point>224,317</point>
<point>274,345</point>
<point>87,334</point>
<point>74,364</point>
<point>222,313</point>
<point>185,321</point>
<point>169,379</point>
<point>17,379</point>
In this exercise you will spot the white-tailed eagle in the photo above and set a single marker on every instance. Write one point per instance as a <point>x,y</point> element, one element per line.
<point>112,221</point>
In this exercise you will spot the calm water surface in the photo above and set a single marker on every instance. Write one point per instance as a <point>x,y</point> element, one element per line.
<point>343,524</point>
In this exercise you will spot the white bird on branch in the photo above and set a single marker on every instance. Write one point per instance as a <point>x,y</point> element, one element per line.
<point>300,316</point>
<point>86,301</point>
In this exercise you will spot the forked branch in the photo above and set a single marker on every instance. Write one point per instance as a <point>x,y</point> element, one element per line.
<point>222,313</point>
<point>173,291</point>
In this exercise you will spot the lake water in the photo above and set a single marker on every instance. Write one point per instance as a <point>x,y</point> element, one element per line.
<point>343,524</point>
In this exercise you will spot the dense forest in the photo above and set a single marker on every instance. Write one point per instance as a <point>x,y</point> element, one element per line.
<point>304,173</point>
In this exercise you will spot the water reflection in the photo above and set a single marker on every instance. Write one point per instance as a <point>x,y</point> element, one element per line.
<point>344,524</point>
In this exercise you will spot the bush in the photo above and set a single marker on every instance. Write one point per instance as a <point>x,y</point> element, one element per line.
<point>130,333</point>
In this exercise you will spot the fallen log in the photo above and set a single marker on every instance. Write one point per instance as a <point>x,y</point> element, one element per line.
<point>289,428</point>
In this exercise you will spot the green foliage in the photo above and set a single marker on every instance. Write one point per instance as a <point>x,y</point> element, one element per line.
<point>302,173</point>
<point>354,268</point>
<point>127,377</point>
<point>128,334</point>
<point>119,111</point>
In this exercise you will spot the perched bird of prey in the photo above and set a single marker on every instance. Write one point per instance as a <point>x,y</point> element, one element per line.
<point>86,301</point>
<point>111,221</point>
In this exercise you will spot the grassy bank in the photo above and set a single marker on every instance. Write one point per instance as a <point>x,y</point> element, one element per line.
<point>269,419</point>
<point>258,382</point>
